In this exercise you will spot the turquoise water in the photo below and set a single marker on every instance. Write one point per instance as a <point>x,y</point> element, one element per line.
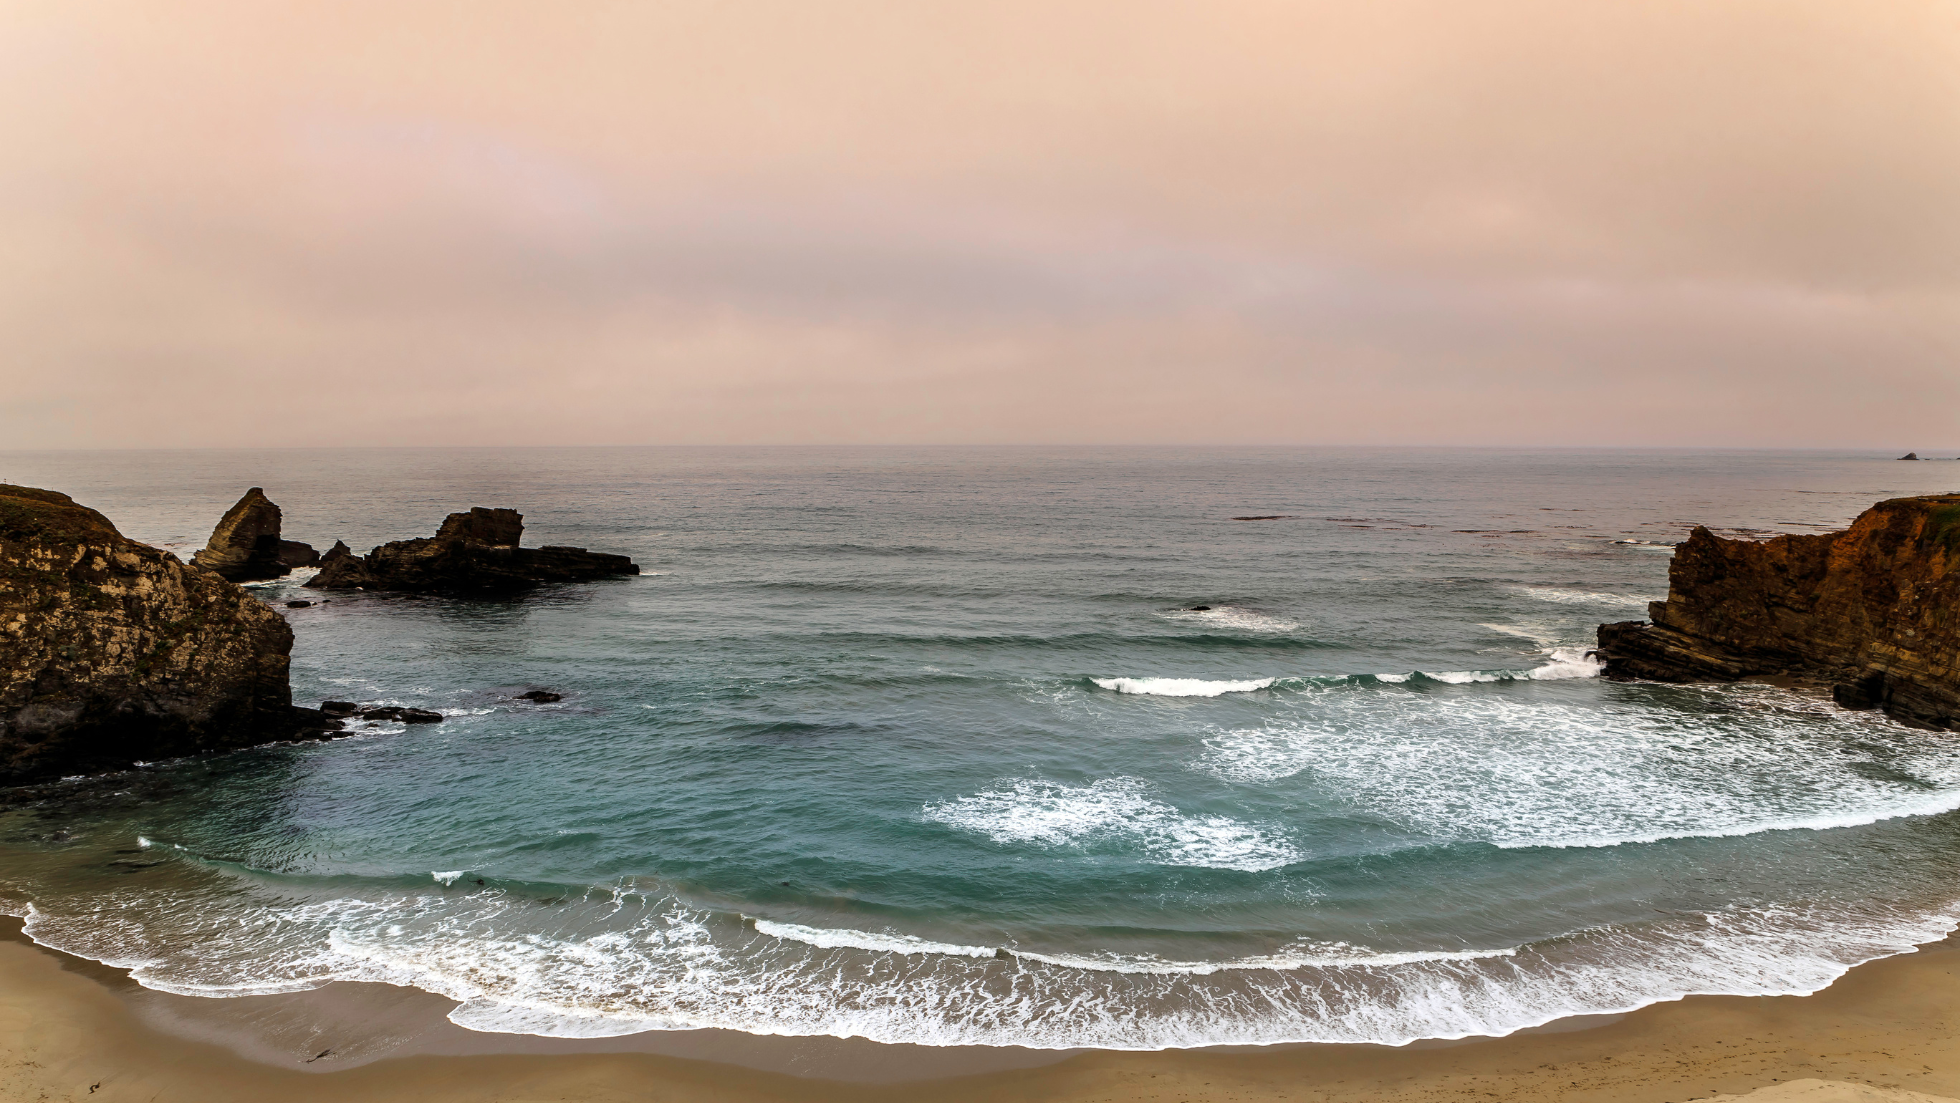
<point>931,745</point>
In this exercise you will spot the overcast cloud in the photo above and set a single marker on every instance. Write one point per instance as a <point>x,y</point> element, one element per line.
<point>1505,222</point>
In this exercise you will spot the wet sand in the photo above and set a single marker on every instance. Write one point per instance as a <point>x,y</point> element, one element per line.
<point>1888,1032</point>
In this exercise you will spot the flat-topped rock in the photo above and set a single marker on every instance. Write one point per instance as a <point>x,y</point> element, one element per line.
<point>1873,612</point>
<point>114,652</point>
<point>475,551</point>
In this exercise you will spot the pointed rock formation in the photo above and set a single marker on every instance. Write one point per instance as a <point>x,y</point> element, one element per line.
<point>1873,612</point>
<point>245,547</point>
<point>113,652</point>
<point>473,552</point>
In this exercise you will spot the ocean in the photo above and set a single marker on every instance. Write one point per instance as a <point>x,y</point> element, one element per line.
<point>1034,747</point>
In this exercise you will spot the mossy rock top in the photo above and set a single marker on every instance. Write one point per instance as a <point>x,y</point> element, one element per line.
<point>28,512</point>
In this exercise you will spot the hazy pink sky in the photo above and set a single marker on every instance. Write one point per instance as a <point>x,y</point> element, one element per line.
<point>1661,222</point>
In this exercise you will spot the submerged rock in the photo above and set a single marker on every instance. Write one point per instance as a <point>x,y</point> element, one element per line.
<point>541,696</point>
<point>473,552</point>
<point>403,715</point>
<point>113,652</point>
<point>1873,612</point>
<point>245,547</point>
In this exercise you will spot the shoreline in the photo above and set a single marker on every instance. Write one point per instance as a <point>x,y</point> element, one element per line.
<point>1887,1030</point>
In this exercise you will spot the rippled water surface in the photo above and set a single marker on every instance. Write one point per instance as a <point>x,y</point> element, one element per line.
<point>937,746</point>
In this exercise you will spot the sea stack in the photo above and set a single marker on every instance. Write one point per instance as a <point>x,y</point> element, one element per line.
<point>1873,612</point>
<point>473,552</point>
<point>114,652</point>
<point>245,547</point>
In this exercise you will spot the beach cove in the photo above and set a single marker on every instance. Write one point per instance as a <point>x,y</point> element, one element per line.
<point>902,765</point>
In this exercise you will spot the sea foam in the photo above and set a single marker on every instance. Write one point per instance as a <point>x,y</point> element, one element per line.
<point>1118,810</point>
<point>1182,687</point>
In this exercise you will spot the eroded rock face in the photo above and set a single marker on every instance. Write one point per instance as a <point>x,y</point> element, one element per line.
<point>245,547</point>
<point>113,652</point>
<point>473,552</point>
<point>1873,611</point>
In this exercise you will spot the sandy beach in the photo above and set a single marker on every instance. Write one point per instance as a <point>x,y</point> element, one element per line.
<point>72,1029</point>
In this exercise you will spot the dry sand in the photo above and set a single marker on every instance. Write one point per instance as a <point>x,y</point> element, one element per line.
<point>1886,1033</point>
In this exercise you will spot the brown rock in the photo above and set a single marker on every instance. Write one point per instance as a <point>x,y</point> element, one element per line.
<point>292,554</point>
<point>473,552</point>
<point>245,545</point>
<point>496,528</point>
<point>1873,611</point>
<point>113,652</point>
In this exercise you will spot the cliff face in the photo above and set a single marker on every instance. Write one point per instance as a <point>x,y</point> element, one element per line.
<point>473,552</point>
<point>1873,610</point>
<point>113,652</point>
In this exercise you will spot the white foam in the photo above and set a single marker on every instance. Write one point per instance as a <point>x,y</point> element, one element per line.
<point>1182,687</point>
<point>1524,772</point>
<point>1585,597</point>
<point>1234,618</point>
<point>447,876</point>
<point>1543,635</point>
<point>1306,955</point>
<point>1466,677</point>
<point>1114,812</point>
<point>833,938</point>
<point>143,842</point>
<point>1561,663</point>
<point>1567,662</point>
<point>612,966</point>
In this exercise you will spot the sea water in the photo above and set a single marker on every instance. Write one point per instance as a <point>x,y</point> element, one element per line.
<point>1033,747</point>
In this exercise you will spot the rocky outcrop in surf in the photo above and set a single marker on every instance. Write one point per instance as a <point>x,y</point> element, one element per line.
<point>473,552</point>
<point>1873,612</point>
<point>114,652</point>
<point>246,546</point>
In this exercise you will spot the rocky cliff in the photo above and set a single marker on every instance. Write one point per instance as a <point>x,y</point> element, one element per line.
<point>1873,611</point>
<point>113,652</point>
<point>473,552</point>
<point>246,546</point>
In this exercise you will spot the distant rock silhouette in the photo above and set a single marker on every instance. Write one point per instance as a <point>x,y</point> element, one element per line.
<point>474,552</point>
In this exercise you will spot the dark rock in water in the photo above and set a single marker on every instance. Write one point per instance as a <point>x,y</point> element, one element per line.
<point>496,528</point>
<point>299,605</point>
<point>114,652</point>
<point>339,709</point>
<point>473,552</point>
<point>541,696</point>
<point>315,724</point>
<point>245,545</point>
<point>1201,608</point>
<point>403,715</point>
<point>339,551</point>
<point>292,553</point>
<point>1870,612</point>
<point>1910,456</point>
